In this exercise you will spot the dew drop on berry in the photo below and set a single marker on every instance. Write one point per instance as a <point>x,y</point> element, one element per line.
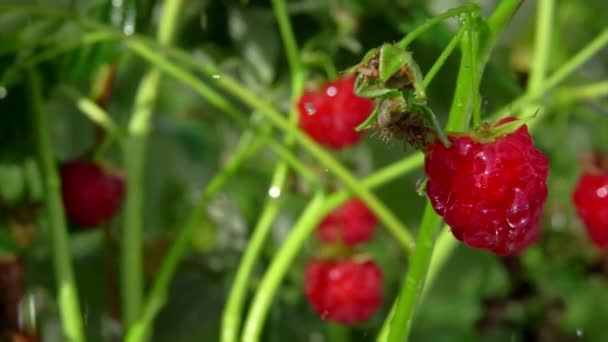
<point>519,214</point>
<point>310,108</point>
<point>602,192</point>
<point>421,186</point>
<point>331,91</point>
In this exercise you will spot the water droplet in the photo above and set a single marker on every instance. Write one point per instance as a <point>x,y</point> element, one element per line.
<point>519,214</point>
<point>602,192</point>
<point>129,27</point>
<point>421,186</point>
<point>310,108</point>
<point>579,332</point>
<point>216,76</point>
<point>331,91</point>
<point>274,191</point>
<point>3,92</point>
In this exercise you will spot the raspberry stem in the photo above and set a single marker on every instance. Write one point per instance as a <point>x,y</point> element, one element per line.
<point>66,286</point>
<point>134,150</point>
<point>231,318</point>
<point>279,267</point>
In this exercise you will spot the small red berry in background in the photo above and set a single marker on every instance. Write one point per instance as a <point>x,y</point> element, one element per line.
<point>330,115</point>
<point>489,191</point>
<point>343,291</point>
<point>352,223</point>
<point>590,199</point>
<point>91,194</point>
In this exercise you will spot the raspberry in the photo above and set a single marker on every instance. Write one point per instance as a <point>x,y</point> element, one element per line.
<point>352,223</point>
<point>91,194</point>
<point>343,291</point>
<point>490,192</point>
<point>590,198</point>
<point>330,115</point>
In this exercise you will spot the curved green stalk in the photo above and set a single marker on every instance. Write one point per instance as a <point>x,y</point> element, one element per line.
<point>157,297</point>
<point>231,318</point>
<point>93,111</point>
<point>158,294</point>
<point>390,222</point>
<point>401,319</point>
<point>283,258</point>
<point>557,77</point>
<point>496,24</point>
<point>134,150</point>
<point>542,44</point>
<point>67,296</point>
<point>583,92</point>
<point>473,41</point>
<point>430,75</point>
<point>410,37</point>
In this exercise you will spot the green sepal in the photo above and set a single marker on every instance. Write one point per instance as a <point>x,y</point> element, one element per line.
<point>392,59</point>
<point>371,119</point>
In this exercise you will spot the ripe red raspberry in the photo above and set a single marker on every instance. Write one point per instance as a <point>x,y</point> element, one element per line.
<point>351,223</point>
<point>91,194</point>
<point>343,291</point>
<point>490,191</point>
<point>330,115</point>
<point>590,198</point>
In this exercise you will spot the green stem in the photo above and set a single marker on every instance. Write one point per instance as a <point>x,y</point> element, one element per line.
<point>321,60</point>
<point>281,262</point>
<point>92,111</point>
<point>231,319</point>
<point>558,76</point>
<point>473,38</point>
<point>410,37</point>
<point>542,44</point>
<point>58,49</point>
<point>232,314</point>
<point>428,78</point>
<point>584,92</point>
<point>391,223</point>
<point>134,158</point>
<point>71,318</point>
<point>444,246</point>
<point>158,294</point>
<point>460,110</point>
<point>401,321</point>
<point>496,24</point>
